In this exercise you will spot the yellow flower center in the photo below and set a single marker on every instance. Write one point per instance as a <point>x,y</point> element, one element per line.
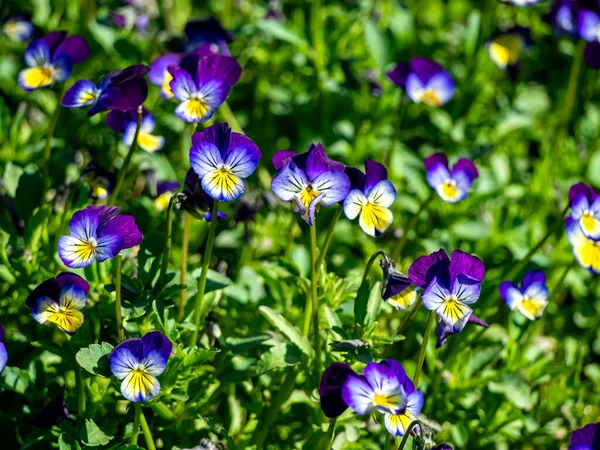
<point>385,400</point>
<point>197,108</point>
<point>449,190</point>
<point>308,195</point>
<point>588,222</point>
<point>430,98</point>
<point>589,253</point>
<point>454,309</point>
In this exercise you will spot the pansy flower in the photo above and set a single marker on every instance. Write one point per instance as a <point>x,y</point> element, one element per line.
<point>585,209</point>
<point>60,301</point>
<point>449,285</point>
<point>330,388</point>
<point>309,180</point>
<point>588,25</point>
<point>586,438</point>
<point>443,331</point>
<point>126,122</point>
<point>424,81</point>
<point>505,48</point>
<point>101,182</point>
<point>521,2</point>
<point>585,250</point>
<point>164,191</point>
<point>530,299</point>
<point>452,185</point>
<point>97,233</point>
<point>385,387</point>
<point>51,59</point>
<point>196,201</point>
<point>159,74</point>
<point>370,198</point>
<point>18,28</point>
<point>122,90</point>
<point>222,160</point>
<point>207,31</point>
<point>397,288</point>
<point>201,83</point>
<point>138,363</point>
<point>3,352</point>
<point>563,17</point>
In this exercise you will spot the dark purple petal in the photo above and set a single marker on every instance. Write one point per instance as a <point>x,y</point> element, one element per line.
<point>443,330</point>
<point>393,281</point>
<point>1,333</point>
<point>435,159</point>
<point>375,172</point>
<point>122,90</point>
<point>118,121</point>
<point>582,188</point>
<point>53,40</point>
<point>592,54</point>
<point>536,276</point>
<point>425,69</point>
<point>125,227</point>
<point>134,346</point>
<point>465,264</point>
<point>399,74</point>
<point>282,158</point>
<point>155,340</point>
<point>216,66</point>
<point>318,162</point>
<point>218,134</point>
<point>356,177</point>
<point>75,47</point>
<point>587,438</point>
<point>208,30</point>
<point>53,413</point>
<point>71,279</point>
<point>477,321</point>
<point>104,213</point>
<point>48,288</point>
<point>467,167</point>
<point>442,446</point>
<point>330,388</point>
<point>167,186</point>
<point>426,267</point>
<point>504,287</point>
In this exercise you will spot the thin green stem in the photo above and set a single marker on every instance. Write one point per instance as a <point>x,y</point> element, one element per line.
<point>168,235</point>
<point>185,245</point>
<point>136,424</point>
<point>50,135</point>
<point>370,263</point>
<point>328,237</point>
<point>402,105</point>
<point>146,429</point>
<point>79,386</point>
<point>331,433</point>
<point>203,276</point>
<point>120,330</point>
<point>413,312</point>
<point>123,171</point>
<point>407,434</point>
<point>229,117</point>
<point>227,8</point>
<point>315,300</point>
<point>428,327</point>
<point>308,306</point>
<point>397,251</point>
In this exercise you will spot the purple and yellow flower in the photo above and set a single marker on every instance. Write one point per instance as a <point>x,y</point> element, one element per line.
<point>505,48</point>
<point>159,74</point>
<point>126,122</point>
<point>18,28</point>
<point>424,81</point>
<point>51,59</point>
<point>330,388</point>
<point>122,90</point>
<point>585,209</point>
<point>586,438</point>
<point>585,250</point>
<point>588,25</point>
<point>60,301</point>
<point>207,31</point>
<point>222,160</point>
<point>521,2</point>
<point>138,363</point>
<point>101,182</point>
<point>449,285</point>
<point>164,191</point>
<point>451,185</point>
<point>97,233</point>
<point>397,288</point>
<point>443,330</point>
<point>309,180</point>
<point>196,201</point>
<point>3,352</point>
<point>386,387</point>
<point>201,83</point>
<point>370,198</point>
<point>530,299</point>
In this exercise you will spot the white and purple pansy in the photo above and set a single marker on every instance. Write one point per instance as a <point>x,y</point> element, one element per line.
<point>201,83</point>
<point>585,209</point>
<point>424,81</point>
<point>97,233</point>
<point>449,285</point>
<point>588,25</point>
<point>452,185</point>
<point>126,122</point>
<point>3,352</point>
<point>370,198</point>
<point>505,48</point>
<point>563,17</point>
<point>222,160</point>
<point>385,387</point>
<point>309,180</point>
<point>51,59</point>
<point>159,74</point>
<point>586,438</point>
<point>138,363</point>
<point>530,299</point>
<point>18,28</point>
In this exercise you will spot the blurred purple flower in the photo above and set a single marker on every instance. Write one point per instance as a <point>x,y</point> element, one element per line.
<point>18,28</point>
<point>330,388</point>
<point>101,182</point>
<point>207,31</point>
<point>3,352</point>
<point>126,122</point>
<point>586,438</point>
<point>451,185</point>
<point>424,81</point>
<point>530,299</point>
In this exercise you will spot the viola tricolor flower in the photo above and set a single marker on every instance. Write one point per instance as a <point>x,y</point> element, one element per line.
<point>588,25</point>
<point>370,198</point>
<point>122,90</point>
<point>18,28</point>
<point>397,288</point>
<point>222,160</point>
<point>450,284</point>
<point>196,201</point>
<point>60,301</point>
<point>443,330</point>
<point>330,388</point>
<point>164,191</point>
<point>207,31</point>
<point>586,438</point>
<point>101,182</point>
<point>585,209</point>
<point>3,352</point>
<point>505,48</point>
<point>451,185</point>
<point>159,74</point>
<point>138,363</point>
<point>201,83</point>
<point>97,233</point>
<point>126,122</point>
<point>530,299</point>
<point>385,387</point>
<point>309,180</point>
<point>51,59</point>
<point>585,250</point>
<point>424,81</point>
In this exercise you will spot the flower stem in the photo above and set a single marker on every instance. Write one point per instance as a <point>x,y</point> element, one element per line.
<point>50,135</point>
<point>136,424</point>
<point>315,299</point>
<point>390,349</point>
<point>120,330</point>
<point>308,308</point>
<point>407,434</point>
<point>123,171</point>
<point>168,233</point>
<point>203,276</point>
<point>370,263</point>
<point>428,327</point>
<point>387,156</point>
<point>331,433</point>
<point>230,118</point>
<point>328,237</point>
<point>145,429</point>
<point>185,244</point>
<point>397,251</point>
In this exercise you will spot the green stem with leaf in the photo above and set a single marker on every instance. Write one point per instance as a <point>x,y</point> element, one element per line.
<point>136,425</point>
<point>315,299</point>
<point>168,237</point>
<point>413,424</point>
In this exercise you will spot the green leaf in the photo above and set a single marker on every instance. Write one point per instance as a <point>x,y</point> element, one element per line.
<point>278,30</point>
<point>29,192</point>
<point>240,345</point>
<point>93,359</point>
<point>15,379</point>
<point>361,302</point>
<point>12,173</point>
<point>594,169</point>
<point>376,43</point>
<point>67,442</point>
<point>287,329</point>
<point>374,305</point>
<point>92,435</point>
<point>514,389</point>
<point>279,356</point>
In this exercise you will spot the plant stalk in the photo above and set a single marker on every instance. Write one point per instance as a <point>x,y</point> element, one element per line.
<point>168,236</point>
<point>428,327</point>
<point>136,425</point>
<point>315,299</point>
<point>120,330</point>
<point>145,429</point>
<point>328,237</point>
<point>185,245</point>
<point>407,434</point>
<point>123,171</point>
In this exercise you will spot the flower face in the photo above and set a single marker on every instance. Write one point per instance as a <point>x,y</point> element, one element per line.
<point>222,160</point>
<point>197,202</point>
<point>308,180</point>
<point>17,28</point>
<point>586,438</point>
<point>505,48</point>
<point>330,388</point>
<point>51,59</point>
<point>97,234</point>
<point>585,209</point>
<point>530,299</point>
<point>159,74</point>
<point>385,387</point>
<point>450,285</point>
<point>370,198</point>
<point>126,122</point>
<point>397,288</point>
<point>424,81</point>
<point>451,185</point>
<point>138,363</point>
<point>3,352</point>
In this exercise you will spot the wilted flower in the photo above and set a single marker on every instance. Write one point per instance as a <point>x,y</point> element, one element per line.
<point>97,233</point>
<point>164,191</point>
<point>530,299</point>
<point>222,160</point>
<point>585,209</point>
<point>385,387</point>
<point>443,330</point>
<point>122,90</point>
<point>53,413</point>
<point>126,122</point>
<point>51,59</point>
<point>3,352</point>
<point>309,180</point>
<point>201,83</point>
<point>505,48</point>
<point>371,197</point>
<point>196,201</point>
<point>207,31</point>
<point>451,185</point>
<point>450,284</point>
<point>424,81</point>
<point>330,388</point>
<point>138,363</point>
<point>101,182</point>
<point>397,288</point>
<point>18,28</point>
<point>60,301</point>
<point>586,438</point>
<point>159,74</point>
